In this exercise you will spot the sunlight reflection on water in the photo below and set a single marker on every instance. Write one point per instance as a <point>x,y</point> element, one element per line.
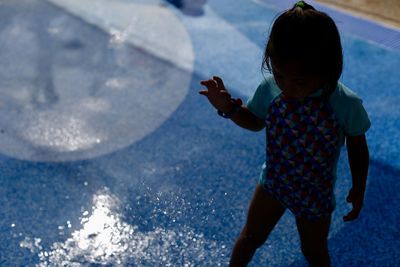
<point>106,239</point>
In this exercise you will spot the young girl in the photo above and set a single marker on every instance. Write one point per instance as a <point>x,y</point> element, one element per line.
<point>308,115</point>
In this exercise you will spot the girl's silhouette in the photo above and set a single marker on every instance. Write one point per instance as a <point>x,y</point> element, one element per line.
<point>308,116</point>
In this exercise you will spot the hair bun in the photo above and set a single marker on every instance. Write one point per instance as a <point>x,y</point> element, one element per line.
<point>303,5</point>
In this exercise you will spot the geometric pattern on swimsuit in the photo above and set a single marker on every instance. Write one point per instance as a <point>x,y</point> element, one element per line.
<point>302,142</point>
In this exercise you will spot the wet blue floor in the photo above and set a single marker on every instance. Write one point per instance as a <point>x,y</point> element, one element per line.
<point>109,157</point>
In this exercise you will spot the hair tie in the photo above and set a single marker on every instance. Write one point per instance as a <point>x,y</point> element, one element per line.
<point>300,4</point>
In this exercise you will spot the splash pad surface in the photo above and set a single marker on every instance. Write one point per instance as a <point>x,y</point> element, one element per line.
<point>110,157</point>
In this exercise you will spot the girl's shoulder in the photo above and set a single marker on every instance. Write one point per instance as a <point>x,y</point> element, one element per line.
<point>268,86</point>
<point>349,110</point>
<point>266,91</point>
<point>343,99</point>
<point>343,93</point>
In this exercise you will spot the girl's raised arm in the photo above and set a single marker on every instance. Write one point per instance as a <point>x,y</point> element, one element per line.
<point>220,98</point>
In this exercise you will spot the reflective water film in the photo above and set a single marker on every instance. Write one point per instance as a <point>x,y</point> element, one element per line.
<point>73,90</point>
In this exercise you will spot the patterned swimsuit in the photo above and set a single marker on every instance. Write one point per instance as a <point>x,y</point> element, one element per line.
<point>302,143</point>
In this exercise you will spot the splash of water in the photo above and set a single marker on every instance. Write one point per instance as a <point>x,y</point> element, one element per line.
<point>106,239</point>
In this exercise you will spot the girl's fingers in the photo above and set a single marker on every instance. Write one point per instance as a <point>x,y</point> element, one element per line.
<point>210,84</point>
<point>203,92</point>
<point>219,82</point>
<point>354,213</point>
<point>350,216</point>
<point>206,82</point>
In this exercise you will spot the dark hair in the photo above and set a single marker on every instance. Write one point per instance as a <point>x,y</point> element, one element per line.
<point>311,36</point>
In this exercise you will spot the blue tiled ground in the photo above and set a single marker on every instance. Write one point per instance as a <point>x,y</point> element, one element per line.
<point>109,156</point>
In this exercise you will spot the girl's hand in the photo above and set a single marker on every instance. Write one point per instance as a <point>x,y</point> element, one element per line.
<point>217,94</point>
<point>356,198</point>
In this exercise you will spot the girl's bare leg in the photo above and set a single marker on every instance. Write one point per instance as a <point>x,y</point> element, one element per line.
<point>264,212</point>
<point>314,241</point>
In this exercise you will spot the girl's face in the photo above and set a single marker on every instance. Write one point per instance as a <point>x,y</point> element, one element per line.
<point>294,80</point>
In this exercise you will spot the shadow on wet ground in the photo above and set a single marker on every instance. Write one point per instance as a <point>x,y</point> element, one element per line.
<point>189,7</point>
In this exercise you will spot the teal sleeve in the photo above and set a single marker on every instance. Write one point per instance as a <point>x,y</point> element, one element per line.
<point>357,122</point>
<point>350,111</point>
<point>258,104</point>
